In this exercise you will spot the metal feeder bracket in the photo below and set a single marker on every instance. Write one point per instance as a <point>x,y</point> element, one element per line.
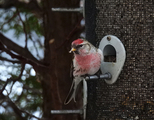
<point>80,10</point>
<point>82,111</point>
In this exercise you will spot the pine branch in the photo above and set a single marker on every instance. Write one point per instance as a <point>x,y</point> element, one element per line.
<point>16,48</point>
<point>32,6</point>
<point>17,110</point>
<point>14,15</point>
<point>24,55</point>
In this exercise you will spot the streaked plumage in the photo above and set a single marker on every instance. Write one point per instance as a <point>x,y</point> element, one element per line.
<point>87,61</point>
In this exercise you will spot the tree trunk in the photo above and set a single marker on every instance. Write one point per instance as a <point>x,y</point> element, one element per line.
<point>56,80</point>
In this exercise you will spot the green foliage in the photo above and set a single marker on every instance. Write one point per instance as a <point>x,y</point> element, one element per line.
<point>7,117</point>
<point>30,98</point>
<point>31,81</point>
<point>32,24</point>
<point>22,23</point>
<point>18,30</point>
<point>26,92</point>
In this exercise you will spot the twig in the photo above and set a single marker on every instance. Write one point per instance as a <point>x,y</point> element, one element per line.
<point>22,69</point>
<point>23,59</point>
<point>41,45</point>
<point>1,91</point>
<point>15,14</point>
<point>14,80</point>
<point>18,78</point>
<point>17,110</point>
<point>30,114</point>
<point>8,60</point>
<point>34,43</point>
<point>11,87</point>
<point>24,28</point>
<point>16,48</point>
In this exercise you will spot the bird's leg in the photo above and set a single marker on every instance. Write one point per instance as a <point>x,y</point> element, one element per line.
<point>84,75</point>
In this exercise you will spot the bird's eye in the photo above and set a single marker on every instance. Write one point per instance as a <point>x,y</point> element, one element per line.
<point>79,46</point>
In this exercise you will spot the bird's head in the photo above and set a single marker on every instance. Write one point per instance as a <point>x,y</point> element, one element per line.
<point>80,47</point>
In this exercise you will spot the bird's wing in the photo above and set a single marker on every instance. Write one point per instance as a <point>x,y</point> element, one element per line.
<point>101,53</point>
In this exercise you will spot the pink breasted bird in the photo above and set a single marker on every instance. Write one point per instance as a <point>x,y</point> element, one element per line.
<point>87,61</point>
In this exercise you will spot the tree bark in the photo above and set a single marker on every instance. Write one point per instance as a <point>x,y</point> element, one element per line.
<point>56,81</point>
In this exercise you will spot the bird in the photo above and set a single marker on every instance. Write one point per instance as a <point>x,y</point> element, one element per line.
<point>87,61</point>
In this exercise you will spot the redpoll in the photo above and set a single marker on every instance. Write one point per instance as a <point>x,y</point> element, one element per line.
<point>87,61</point>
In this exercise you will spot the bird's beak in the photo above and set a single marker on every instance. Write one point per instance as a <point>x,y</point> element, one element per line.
<point>73,49</point>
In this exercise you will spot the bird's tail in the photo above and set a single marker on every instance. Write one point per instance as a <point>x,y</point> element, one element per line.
<point>72,93</point>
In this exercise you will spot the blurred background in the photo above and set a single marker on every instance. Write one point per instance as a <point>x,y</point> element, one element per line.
<point>34,60</point>
<point>35,65</point>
